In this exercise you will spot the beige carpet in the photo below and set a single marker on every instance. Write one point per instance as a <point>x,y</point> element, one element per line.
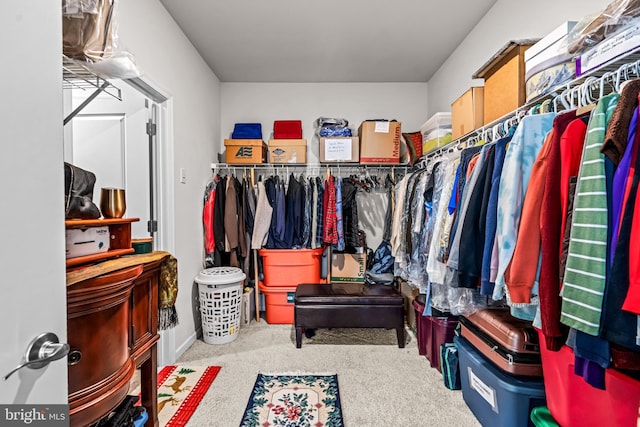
<point>380,385</point>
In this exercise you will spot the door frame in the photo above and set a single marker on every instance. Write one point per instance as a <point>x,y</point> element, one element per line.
<point>165,190</point>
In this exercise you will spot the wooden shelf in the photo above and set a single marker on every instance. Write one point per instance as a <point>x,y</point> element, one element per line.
<point>119,243</point>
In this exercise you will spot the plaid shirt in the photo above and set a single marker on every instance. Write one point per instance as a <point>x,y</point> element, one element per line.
<point>320,220</point>
<point>330,216</point>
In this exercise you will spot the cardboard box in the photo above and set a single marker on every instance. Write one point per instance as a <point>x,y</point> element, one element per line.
<point>409,293</point>
<point>340,150</point>
<point>245,151</point>
<point>348,268</point>
<point>86,241</point>
<point>379,142</point>
<point>287,151</point>
<point>467,112</point>
<point>504,80</point>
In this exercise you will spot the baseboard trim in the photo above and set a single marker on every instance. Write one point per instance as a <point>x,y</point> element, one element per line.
<point>187,344</point>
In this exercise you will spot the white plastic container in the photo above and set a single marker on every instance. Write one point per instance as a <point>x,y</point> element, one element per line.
<point>436,132</point>
<point>220,290</point>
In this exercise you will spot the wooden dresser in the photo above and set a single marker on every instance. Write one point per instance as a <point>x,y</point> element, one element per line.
<point>112,313</point>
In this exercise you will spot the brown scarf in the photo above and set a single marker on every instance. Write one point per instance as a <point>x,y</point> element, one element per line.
<point>168,293</point>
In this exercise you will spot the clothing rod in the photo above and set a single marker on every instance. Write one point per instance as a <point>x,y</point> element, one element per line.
<point>577,93</point>
<point>309,168</point>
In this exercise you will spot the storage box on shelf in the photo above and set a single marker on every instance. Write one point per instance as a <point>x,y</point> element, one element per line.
<point>379,142</point>
<point>287,151</point>
<point>340,149</point>
<point>550,46</point>
<point>548,63</point>
<point>467,112</point>
<point>612,47</point>
<point>245,151</point>
<point>504,83</point>
<point>436,132</point>
<point>119,238</point>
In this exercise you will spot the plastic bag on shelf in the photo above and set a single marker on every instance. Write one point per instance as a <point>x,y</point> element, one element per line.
<point>331,127</point>
<point>592,29</point>
<point>90,37</point>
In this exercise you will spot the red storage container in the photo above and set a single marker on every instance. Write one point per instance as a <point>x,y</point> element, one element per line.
<point>432,332</point>
<point>287,129</point>
<point>290,267</point>
<point>574,403</point>
<point>279,303</point>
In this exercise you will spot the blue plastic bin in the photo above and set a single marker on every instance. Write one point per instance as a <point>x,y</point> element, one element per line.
<point>496,399</point>
<point>141,419</point>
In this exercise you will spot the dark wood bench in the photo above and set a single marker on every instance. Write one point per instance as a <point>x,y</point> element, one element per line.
<point>348,305</point>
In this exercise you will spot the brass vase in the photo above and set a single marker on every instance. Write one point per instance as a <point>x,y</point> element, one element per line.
<point>112,202</point>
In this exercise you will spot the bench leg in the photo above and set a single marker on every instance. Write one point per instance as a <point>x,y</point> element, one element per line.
<point>400,333</point>
<point>298,336</point>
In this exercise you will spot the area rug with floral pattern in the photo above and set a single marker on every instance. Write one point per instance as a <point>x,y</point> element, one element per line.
<point>180,390</point>
<point>304,400</point>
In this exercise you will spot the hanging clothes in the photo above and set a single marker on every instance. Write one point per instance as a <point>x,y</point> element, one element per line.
<point>330,220</point>
<point>263,215</point>
<point>486,284</point>
<point>519,159</point>
<point>585,274</point>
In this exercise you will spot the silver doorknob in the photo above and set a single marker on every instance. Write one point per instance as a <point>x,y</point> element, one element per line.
<point>43,349</point>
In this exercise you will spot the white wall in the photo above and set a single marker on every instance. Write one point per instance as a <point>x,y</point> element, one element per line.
<point>266,102</point>
<point>506,20</point>
<point>168,58</point>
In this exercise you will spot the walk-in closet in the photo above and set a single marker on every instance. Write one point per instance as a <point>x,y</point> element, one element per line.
<point>341,214</point>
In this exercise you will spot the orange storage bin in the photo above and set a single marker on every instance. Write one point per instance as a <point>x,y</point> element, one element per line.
<point>278,302</point>
<point>290,267</point>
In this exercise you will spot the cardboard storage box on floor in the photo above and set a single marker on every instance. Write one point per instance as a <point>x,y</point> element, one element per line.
<point>245,151</point>
<point>436,132</point>
<point>496,398</point>
<point>409,293</point>
<point>287,151</point>
<point>379,142</point>
<point>467,112</point>
<point>504,83</point>
<point>340,150</point>
<point>348,268</point>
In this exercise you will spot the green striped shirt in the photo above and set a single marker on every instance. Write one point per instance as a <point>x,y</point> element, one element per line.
<point>585,273</point>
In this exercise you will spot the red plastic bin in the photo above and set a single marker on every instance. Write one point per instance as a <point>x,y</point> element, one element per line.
<point>574,403</point>
<point>432,332</point>
<point>278,303</point>
<point>290,267</point>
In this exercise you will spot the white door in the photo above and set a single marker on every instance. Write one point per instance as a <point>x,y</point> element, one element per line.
<point>32,265</point>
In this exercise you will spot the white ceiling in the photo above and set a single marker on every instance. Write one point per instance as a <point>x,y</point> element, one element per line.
<point>326,41</point>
